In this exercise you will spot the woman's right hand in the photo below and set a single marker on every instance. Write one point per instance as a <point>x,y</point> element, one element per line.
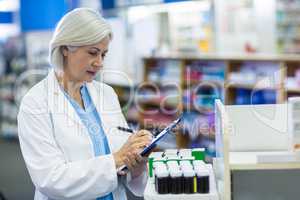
<point>129,154</point>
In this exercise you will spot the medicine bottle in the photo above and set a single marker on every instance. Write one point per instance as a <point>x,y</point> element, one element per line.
<point>176,181</point>
<point>162,180</point>
<point>188,181</point>
<point>202,180</point>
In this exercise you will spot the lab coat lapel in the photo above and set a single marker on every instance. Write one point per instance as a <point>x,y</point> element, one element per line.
<point>97,95</point>
<point>58,103</point>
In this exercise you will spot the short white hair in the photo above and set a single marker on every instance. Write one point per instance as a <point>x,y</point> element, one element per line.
<point>80,27</point>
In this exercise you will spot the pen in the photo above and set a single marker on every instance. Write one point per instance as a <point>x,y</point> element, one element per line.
<point>128,130</point>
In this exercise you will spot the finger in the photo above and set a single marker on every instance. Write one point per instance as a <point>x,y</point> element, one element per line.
<point>131,138</point>
<point>143,132</point>
<point>132,159</point>
<point>139,159</point>
<point>141,135</point>
<point>145,138</point>
<point>138,147</point>
<point>149,136</point>
<point>136,155</point>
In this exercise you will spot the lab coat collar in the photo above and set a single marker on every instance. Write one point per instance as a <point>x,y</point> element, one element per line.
<point>94,96</point>
<point>57,102</point>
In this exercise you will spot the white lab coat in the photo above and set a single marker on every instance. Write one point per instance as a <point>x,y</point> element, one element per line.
<point>58,151</point>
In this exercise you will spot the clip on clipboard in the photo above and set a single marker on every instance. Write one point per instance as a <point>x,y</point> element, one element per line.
<point>154,141</point>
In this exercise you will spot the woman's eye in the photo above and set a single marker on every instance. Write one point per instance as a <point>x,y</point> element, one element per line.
<point>93,53</point>
<point>103,55</point>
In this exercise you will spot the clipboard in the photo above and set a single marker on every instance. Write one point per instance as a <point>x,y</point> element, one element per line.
<point>154,141</point>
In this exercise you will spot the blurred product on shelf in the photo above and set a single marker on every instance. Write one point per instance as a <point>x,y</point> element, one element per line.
<point>164,97</point>
<point>253,72</point>
<point>204,71</point>
<point>200,99</point>
<point>14,55</point>
<point>246,96</point>
<point>288,26</point>
<point>2,60</point>
<point>203,81</point>
<point>14,63</point>
<point>165,71</point>
<point>294,81</point>
<point>254,82</point>
<point>37,52</point>
<point>193,32</point>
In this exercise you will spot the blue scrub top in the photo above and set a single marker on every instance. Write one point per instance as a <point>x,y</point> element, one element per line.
<point>91,119</point>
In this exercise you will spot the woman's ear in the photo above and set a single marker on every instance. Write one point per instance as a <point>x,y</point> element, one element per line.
<point>64,51</point>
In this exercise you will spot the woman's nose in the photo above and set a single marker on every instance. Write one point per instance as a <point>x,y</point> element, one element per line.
<point>98,62</point>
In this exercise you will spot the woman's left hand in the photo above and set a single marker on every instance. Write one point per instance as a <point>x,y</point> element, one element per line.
<point>136,163</point>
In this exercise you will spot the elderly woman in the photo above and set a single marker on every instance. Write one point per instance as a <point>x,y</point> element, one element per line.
<point>67,122</point>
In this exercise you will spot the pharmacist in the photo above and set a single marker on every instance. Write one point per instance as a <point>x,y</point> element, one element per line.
<point>67,122</point>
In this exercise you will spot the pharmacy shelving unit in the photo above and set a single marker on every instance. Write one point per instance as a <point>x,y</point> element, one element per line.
<point>253,152</point>
<point>288,26</point>
<point>278,73</point>
<point>236,79</point>
<point>13,87</point>
<point>13,64</point>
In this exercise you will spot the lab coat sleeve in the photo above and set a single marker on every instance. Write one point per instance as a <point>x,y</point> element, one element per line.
<point>50,172</point>
<point>135,185</point>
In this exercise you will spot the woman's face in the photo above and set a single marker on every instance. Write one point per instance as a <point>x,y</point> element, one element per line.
<point>82,63</point>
